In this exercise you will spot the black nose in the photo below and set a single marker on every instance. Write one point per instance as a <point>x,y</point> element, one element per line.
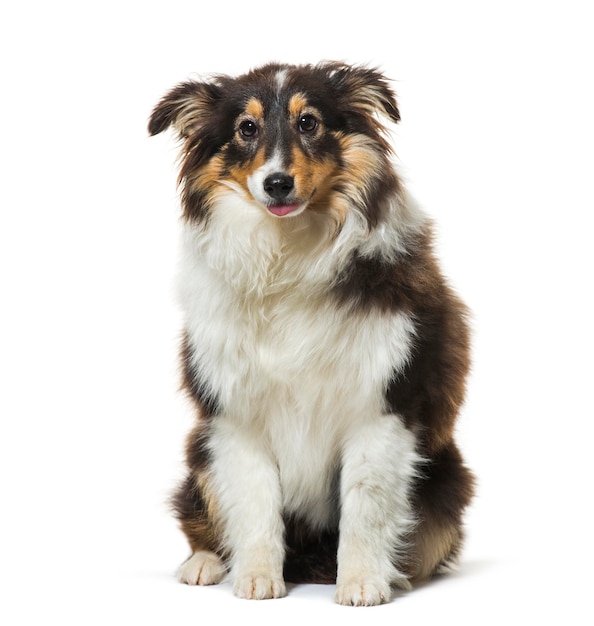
<point>278,185</point>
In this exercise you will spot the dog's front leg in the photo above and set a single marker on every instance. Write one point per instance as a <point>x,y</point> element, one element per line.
<point>249,496</point>
<point>378,467</point>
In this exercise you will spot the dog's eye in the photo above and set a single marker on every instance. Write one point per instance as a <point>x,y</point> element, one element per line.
<point>248,129</point>
<point>307,123</point>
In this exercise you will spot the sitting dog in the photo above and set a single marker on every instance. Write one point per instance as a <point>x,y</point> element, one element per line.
<point>323,349</point>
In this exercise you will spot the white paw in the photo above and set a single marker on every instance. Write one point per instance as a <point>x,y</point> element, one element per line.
<point>362,593</point>
<point>202,568</point>
<point>256,586</point>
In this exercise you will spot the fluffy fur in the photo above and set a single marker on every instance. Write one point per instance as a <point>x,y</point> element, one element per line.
<point>324,352</point>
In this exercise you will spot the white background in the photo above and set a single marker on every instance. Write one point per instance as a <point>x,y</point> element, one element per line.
<point>497,140</point>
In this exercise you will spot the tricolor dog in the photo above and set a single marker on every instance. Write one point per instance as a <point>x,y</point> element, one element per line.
<point>324,351</point>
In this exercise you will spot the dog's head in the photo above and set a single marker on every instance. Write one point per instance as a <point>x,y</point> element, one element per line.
<point>289,139</point>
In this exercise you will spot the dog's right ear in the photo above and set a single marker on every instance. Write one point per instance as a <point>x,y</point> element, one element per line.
<point>186,108</point>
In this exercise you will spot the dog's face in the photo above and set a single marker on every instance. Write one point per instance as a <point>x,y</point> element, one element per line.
<point>287,138</point>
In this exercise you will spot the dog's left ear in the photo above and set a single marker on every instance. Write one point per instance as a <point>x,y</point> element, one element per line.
<point>363,90</point>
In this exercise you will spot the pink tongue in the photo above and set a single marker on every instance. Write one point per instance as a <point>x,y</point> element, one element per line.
<point>283,209</point>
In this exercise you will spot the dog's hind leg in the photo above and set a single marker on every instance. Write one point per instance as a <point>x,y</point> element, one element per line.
<point>206,565</point>
<point>443,492</point>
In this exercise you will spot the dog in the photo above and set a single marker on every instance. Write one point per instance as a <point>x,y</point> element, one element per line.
<point>324,351</point>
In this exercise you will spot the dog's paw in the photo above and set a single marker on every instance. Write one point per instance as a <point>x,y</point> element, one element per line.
<point>202,568</point>
<point>256,586</point>
<point>362,593</point>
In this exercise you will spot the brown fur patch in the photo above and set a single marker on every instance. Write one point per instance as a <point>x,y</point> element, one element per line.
<point>297,105</point>
<point>254,108</point>
<point>196,510</point>
<point>361,161</point>
<point>441,496</point>
<point>207,176</point>
<point>312,178</point>
<point>434,545</point>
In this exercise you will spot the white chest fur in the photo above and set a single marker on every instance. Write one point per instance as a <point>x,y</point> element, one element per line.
<point>284,361</point>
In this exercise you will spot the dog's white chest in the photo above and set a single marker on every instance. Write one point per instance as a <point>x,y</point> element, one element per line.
<point>294,368</point>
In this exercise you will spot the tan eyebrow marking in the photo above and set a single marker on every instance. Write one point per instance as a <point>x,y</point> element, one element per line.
<point>297,104</point>
<point>254,108</point>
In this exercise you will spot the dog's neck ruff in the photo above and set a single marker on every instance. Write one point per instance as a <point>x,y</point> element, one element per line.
<point>258,255</point>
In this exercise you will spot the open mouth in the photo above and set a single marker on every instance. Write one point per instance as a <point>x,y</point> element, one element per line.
<point>280,210</point>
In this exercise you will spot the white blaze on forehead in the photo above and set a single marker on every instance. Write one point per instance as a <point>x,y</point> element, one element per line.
<point>280,78</point>
<point>255,181</point>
